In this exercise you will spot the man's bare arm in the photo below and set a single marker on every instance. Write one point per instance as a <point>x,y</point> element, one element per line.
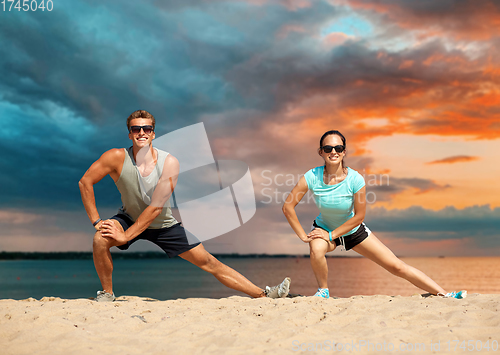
<point>161,194</point>
<point>108,164</point>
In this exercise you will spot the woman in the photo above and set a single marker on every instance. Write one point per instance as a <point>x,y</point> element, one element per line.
<point>339,192</point>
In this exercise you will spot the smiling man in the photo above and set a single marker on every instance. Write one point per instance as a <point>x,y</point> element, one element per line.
<point>146,178</point>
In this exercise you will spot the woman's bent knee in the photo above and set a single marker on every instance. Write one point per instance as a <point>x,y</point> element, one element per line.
<point>318,248</point>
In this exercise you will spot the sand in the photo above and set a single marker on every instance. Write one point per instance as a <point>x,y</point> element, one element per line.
<point>240,325</point>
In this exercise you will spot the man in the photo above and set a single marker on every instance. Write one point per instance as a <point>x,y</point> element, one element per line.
<point>146,212</point>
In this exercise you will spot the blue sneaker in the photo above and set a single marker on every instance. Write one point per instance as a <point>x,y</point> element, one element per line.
<point>322,292</point>
<point>459,295</point>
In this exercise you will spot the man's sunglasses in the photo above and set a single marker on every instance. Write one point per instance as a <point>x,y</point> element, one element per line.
<point>137,129</point>
<point>329,148</point>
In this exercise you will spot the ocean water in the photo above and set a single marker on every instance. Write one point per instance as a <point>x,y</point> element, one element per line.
<point>175,278</point>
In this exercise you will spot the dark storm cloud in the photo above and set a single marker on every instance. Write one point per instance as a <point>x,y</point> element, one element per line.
<point>99,66</point>
<point>355,74</point>
<point>474,221</point>
<point>459,19</point>
<point>384,187</point>
<point>71,77</point>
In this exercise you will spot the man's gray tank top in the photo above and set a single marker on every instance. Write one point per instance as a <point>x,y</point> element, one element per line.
<point>136,190</point>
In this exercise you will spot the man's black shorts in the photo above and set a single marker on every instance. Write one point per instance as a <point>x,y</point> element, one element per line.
<point>353,239</point>
<point>172,240</point>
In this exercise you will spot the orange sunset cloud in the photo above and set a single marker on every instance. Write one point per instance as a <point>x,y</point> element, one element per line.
<point>454,159</point>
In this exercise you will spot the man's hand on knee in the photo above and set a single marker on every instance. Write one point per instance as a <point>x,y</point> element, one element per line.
<point>112,229</point>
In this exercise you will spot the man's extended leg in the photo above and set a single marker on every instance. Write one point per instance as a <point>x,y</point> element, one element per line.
<point>227,276</point>
<point>102,259</point>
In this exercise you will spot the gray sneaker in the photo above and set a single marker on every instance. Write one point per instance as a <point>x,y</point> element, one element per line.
<point>103,296</point>
<point>279,291</point>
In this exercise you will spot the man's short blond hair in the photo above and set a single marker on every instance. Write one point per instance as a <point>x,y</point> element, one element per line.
<point>140,114</point>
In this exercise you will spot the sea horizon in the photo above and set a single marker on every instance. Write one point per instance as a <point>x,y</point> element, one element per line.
<point>68,255</point>
<point>163,278</point>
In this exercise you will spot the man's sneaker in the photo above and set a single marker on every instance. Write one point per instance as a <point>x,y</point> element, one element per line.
<point>103,296</point>
<point>322,292</point>
<point>459,294</point>
<point>279,291</point>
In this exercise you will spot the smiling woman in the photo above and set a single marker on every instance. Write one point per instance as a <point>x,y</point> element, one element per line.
<point>339,192</point>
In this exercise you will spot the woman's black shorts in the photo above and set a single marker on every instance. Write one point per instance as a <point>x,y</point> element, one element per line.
<point>351,240</point>
<point>172,240</point>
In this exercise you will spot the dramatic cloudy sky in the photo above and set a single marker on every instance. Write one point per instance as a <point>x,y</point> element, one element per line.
<point>413,85</point>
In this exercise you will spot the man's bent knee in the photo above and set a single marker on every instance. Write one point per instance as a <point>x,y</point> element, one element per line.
<point>103,242</point>
<point>100,241</point>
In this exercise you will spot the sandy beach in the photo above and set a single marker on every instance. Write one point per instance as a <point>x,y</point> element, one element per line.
<point>240,325</point>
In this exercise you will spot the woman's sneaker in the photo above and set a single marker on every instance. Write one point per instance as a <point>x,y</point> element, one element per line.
<point>279,291</point>
<point>322,292</point>
<point>459,294</point>
<point>103,296</point>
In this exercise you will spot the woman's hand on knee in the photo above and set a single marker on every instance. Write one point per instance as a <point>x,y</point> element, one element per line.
<point>318,233</point>
<point>306,239</point>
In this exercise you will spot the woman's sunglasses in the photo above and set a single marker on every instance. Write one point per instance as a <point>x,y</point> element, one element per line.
<point>137,129</point>
<point>329,148</point>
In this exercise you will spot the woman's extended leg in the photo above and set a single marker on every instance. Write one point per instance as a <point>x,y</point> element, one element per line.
<point>376,251</point>
<point>318,249</point>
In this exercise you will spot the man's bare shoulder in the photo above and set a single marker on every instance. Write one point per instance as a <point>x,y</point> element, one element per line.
<point>113,156</point>
<point>171,165</point>
<point>170,159</point>
<point>114,153</point>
